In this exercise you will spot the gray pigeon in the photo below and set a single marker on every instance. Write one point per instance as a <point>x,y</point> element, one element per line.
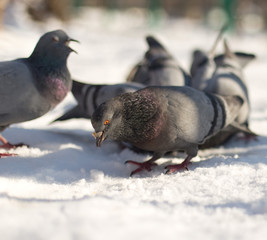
<point>164,119</point>
<point>90,96</point>
<point>228,80</point>
<point>32,86</point>
<point>203,65</point>
<point>158,68</point>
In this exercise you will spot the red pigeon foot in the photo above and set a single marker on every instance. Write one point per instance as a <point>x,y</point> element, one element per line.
<point>142,166</point>
<point>7,154</point>
<point>174,168</point>
<point>12,146</point>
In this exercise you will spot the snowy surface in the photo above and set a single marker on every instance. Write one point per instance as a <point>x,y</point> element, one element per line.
<point>64,187</point>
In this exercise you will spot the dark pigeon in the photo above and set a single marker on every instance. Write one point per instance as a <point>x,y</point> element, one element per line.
<point>32,86</point>
<point>164,119</point>
<point>158,68</point>
<point>90,96</point>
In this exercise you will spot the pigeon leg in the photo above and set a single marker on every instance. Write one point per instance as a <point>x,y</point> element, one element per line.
<point>8,145</point>
<point>143,165</point>
<point>176,167</point>
<point>5,144</point>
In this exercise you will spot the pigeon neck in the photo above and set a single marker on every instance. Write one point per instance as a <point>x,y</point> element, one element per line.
<point>52,79</point>
<point>144,118</point>
<point>46,61</point>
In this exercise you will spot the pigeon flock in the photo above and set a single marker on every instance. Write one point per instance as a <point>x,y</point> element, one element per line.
<point>160,108</point>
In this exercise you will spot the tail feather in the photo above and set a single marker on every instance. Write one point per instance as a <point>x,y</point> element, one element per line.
<point>153,42</point>
<point>75,112</point>
<point>228,52</point>
<point>77,90</point>
<point>233,105</point>
<point>243,128</point>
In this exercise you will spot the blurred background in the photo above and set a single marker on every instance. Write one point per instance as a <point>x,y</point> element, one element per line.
<point>244,15</point>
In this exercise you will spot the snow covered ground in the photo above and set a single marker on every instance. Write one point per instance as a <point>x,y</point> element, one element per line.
<point>64,187</point>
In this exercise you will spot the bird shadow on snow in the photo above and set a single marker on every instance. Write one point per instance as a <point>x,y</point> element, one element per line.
<point>236,151</point>
<point>60,156</point>
<point>42,200</point>
<point>66,156</point>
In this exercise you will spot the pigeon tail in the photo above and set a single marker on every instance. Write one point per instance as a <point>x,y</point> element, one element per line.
<point>233,105</point>
<point>77,90</point>
<point>153,43</point>
<point>75,112</point>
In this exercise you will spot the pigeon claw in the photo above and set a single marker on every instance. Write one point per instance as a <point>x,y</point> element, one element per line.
<point>8,155</point>
<point>174,168</point>
<point>142,166</point>
<point>12,146</point>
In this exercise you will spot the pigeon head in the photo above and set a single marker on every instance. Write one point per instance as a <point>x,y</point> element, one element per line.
<point>131,117</point>
<point>52,47</point>
<point>199,59</point>
<point>106,120</point>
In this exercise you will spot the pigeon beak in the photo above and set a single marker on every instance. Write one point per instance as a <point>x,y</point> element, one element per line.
<point>74,40</point>
<point>68,42</point>
<point>99,136</point>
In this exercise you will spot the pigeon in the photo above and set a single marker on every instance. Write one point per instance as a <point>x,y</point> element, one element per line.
<point>32,86</point>
<point>203,65</point>
<point>90,96</point>
<point>158,68</point>
<point>163,119</point>
<point>222,75</point>
<point>228,80</point>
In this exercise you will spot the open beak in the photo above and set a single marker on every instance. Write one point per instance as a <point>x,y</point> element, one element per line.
<point>100,137</point>
<point>68,42</point>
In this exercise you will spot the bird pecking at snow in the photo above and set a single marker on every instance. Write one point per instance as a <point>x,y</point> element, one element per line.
<point>164,119</point>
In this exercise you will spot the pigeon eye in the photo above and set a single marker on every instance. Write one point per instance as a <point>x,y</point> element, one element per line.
<point>106,122</point>
<point>55,39</point>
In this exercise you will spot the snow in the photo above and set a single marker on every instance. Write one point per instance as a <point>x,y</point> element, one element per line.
<point>64,187</point>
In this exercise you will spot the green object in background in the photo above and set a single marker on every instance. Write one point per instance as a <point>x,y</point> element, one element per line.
<point>77,3</point>
<point>229,7</point>
<point>154,7</point>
